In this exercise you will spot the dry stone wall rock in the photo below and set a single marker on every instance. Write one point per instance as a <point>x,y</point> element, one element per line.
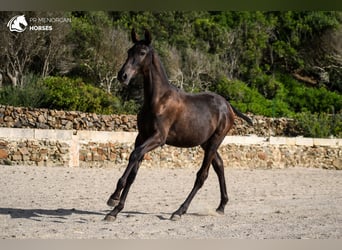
<point>23,117</point>
<point>43,137</point>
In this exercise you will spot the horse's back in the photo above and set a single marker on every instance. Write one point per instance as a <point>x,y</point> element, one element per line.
<point>201,116</point>
<point>208,103</point>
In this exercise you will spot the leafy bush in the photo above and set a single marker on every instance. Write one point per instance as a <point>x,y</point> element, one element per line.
<point>65,93</point>
<point>315,100</point>
<point>319,125</point>
<point>28,96</point>
<point>129,107</point>
<point>249,99</point>
<point>74,94</point>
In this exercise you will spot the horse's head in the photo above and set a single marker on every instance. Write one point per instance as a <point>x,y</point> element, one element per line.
<point>138,57</point>
<point>21,20</point>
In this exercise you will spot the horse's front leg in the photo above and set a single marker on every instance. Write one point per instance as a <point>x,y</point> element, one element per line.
<point>129,175</point>
<point>125,184</point>
<point>115,197</point>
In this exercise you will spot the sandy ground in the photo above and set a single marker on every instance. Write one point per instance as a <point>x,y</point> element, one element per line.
<point>70,203</point>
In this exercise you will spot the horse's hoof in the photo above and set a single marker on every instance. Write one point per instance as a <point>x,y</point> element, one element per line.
<point>112,203</point>
<point>109,218</point>
<point>175,217</point>
<point>220,212</point>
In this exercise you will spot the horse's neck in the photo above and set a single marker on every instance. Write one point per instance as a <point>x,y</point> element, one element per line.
<point>156,82</point>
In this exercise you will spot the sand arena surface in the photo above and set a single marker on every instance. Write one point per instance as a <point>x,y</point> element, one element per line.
<point>70,203</point>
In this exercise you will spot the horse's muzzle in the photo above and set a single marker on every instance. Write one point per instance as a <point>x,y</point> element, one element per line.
<point>125,76</point>
<point>122,77</point>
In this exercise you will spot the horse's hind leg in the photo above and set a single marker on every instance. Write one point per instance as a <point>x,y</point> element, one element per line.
<point>202,175</point>
<point>219,169</point>
<point>217,163</point>
<point>210,148</point>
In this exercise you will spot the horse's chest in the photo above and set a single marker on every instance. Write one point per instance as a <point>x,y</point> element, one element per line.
<point>145,122</point>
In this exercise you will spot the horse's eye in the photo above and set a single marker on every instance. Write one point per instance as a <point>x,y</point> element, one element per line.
<point>142,53</point>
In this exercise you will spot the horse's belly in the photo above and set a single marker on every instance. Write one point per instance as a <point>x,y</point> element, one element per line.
<point>182,144</point>
<point>189,138</point>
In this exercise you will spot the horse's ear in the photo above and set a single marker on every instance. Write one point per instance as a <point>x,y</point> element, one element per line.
<point>134,36</point>
<point>148,37</point>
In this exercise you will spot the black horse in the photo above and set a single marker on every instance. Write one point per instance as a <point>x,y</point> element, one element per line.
<point>173,117</point>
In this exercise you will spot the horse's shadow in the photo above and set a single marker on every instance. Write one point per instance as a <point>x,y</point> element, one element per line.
<point>60,214</point>
<point>35,214</point>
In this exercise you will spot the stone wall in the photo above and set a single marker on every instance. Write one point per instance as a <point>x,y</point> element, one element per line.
<point>40,147</point>
<point>44,137</point>
<point>17,117</point>
<point>33,152</point>
<point>23,117</point>
<point>236,152</point>
<point>36,147</point>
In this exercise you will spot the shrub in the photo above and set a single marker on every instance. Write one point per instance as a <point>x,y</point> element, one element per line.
<point>315,100</point>
<point>74,94</point>
<point>250,100</point>
<point>66,94</point>
<point>129,107</point>
<point>319,125</point>
<point>30,95</point>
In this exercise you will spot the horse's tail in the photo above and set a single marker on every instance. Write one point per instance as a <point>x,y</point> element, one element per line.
<point>239,114</point>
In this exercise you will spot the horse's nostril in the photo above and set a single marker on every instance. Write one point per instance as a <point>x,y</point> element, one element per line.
<point>122,76</point>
